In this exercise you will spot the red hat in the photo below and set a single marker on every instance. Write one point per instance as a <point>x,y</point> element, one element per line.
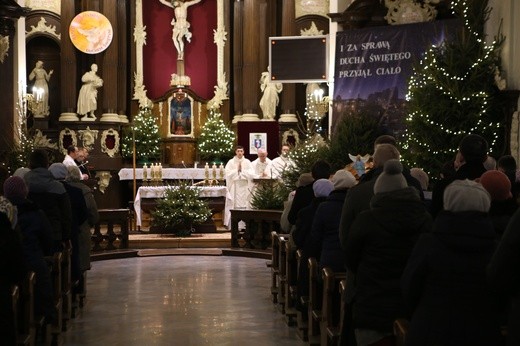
<point>497,184</point>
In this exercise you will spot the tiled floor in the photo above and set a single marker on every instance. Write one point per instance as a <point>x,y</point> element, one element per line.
<point>180,300</point>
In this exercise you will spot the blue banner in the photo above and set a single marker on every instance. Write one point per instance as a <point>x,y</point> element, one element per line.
<point>373,66</point>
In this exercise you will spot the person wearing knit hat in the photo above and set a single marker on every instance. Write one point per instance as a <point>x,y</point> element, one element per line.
<point>322,187</point>
<point>391,179</point>
<point>377,248</point>
<point>445,282</point>
<point>503,205</point>
<point>497,184</point>
<point>301,232</point>
<point>15,190</point>
<point>21,172</point>
<point>58,170</point>
<point>324,241</point>
<point>466,195</point>
<point>343,179</point>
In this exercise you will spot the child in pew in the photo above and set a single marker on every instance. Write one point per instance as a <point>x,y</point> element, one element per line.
<point>37,243</point>
<point>444,283</point>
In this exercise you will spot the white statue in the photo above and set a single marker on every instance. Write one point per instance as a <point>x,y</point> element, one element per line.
<point>40,88</point>
<point>180,24</point>
<point>269,99</point>
<point>87,99</point>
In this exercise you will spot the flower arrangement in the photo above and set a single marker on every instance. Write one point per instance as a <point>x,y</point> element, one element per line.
<point>180,209</point>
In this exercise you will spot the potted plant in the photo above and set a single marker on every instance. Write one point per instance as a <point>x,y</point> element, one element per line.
<point>180,209</point>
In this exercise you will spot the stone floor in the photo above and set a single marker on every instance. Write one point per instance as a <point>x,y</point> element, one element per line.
<point>180,300</point>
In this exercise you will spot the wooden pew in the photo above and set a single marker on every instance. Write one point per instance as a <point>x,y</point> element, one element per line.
<point>400,330</point>
<point>302,320</point>
<point>330,327</point>
<point>275,244</point>
<point>291,268</point>
<point>314,303</point>
<point>22,338</point>
<point>66,287</point>
<point>56,276</point>
<point>26,319</point>
<point>282,277</point>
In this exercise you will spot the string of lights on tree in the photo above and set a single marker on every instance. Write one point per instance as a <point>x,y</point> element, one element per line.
<point>453,92</point>
<point>146,134</point>
<point>216,140</point>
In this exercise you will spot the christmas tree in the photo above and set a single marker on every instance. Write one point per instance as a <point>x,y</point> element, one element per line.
<point>180,209</point>
<point>453,92</point>
<point>216,140</point>
<point>354,134</point>
<point>146,134</point>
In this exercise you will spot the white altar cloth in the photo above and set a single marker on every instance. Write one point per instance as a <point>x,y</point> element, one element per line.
<point>158,192</point>
<point>167,173</point>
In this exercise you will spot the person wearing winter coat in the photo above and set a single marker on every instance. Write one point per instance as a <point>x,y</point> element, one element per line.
<point>444,283</point>
<point>378,246</point>
<point>323,242</point>
<point>37,242</point>
<point>504,275</point>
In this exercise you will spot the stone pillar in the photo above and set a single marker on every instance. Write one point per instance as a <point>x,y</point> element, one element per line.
<point>68,65</point>
<point>251,71</point>
<point>123,40</point>
<point>288,97</point>
<point>109,69</point>
<point>238,40</point>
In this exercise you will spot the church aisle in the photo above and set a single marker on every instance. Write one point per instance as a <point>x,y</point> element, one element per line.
<point>180,300</point>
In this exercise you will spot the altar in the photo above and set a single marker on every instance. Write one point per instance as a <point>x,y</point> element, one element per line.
<point>167,174</point>
<point>146,197</point>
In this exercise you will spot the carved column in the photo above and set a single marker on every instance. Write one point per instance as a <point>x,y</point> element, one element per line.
<point>10,11</point>
<point>109,70</point>
<point>288,97</point>
<point>7,97</point>
<point>238,30</point>
<point>251,71</point>
<point>68,65</point>
<point>122,61</point>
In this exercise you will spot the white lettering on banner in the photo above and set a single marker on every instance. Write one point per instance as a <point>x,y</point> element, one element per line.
<point>375,45</point>
<point>390,70</point>
<point>348,47</point>
<point>355,73</point>
<point>352,60</point>
<point>390,57</point>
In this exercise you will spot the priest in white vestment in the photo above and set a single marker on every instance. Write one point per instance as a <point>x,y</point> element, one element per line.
<point>280,163</point>
<point>262,165</point>
<point>239,182</point>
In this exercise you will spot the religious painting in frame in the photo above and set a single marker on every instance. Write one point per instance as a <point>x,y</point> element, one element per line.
<point>257,141</point>
<point>180,115</point>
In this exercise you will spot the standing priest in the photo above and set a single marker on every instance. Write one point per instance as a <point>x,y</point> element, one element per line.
<point>239,181</point>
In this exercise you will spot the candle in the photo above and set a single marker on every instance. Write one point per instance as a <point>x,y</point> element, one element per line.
<point>145,173</point>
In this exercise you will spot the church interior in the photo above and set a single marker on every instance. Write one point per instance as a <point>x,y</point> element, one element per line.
<point>209,96</point>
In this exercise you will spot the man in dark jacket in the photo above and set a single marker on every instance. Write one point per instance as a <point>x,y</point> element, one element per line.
<point>378,246</point>
<point>51,197</point>
<point>304,194</point>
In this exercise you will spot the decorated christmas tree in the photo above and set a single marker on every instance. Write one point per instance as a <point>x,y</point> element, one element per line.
<point>180,209</point>
<point>146,134</point>
<point>453,92</point>
<point>216,140</point>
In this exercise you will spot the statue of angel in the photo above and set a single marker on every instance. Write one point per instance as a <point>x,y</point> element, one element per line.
<point>358,163</point>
